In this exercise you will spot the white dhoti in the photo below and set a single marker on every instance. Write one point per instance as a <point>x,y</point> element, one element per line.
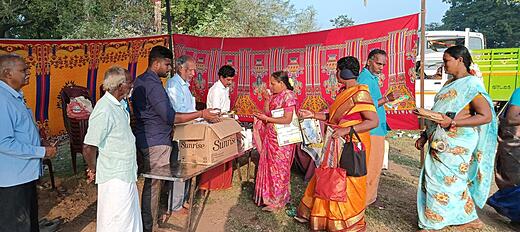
<point>118,207</point>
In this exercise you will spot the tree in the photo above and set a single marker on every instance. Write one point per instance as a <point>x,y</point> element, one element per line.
<point>305,21</point>
<point>238,18</point>
<point>435,26</point>
<point>342,21</point>
<point>24,15</point>
<point>57,19</point>
<point>107,19</point>
<point>95,19</point>
<point>189,16</point>
<point>498,20</point>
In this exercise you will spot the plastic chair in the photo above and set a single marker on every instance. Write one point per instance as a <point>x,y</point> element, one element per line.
<point>77,129</point>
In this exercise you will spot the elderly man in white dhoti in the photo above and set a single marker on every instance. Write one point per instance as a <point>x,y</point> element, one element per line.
<point>115,170</point>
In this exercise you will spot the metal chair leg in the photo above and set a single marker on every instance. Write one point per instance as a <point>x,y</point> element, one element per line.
<point>51,172</point>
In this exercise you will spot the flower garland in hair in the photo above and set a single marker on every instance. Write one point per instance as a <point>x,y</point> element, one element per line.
<point>475,70</point>
<point>291,81</point>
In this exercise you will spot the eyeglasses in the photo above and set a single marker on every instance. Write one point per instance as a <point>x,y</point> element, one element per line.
<point>25,70</point>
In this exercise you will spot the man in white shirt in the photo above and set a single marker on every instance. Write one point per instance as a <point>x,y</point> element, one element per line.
<point>218,94</point>
<point>220,177</point>
<point>115,168</point>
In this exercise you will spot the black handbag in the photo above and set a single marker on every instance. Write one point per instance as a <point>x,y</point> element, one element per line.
<point>354,157</point>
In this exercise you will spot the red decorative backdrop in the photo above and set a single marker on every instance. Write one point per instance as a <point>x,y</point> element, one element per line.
<point>310,59</point>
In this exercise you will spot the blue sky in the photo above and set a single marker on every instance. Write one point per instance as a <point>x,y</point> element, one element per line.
<point>374,11</point>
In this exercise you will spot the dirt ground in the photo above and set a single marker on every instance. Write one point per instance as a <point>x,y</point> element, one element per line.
<point>234,210</point>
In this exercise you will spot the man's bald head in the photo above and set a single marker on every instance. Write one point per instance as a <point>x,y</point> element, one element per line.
<point>14,71</point>
<point>8,62</point>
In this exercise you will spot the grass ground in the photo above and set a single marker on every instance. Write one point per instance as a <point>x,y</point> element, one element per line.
<point>234,209</point>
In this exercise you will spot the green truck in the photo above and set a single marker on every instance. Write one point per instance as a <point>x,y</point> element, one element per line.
<point>500,71</point>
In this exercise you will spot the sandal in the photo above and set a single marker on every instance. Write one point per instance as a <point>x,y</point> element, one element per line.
<point>290,211</point>
<point>165,217</point>
<point>270,209</point>
<point>473,225</point>
<point>186,205</point>
<point>300,219</point>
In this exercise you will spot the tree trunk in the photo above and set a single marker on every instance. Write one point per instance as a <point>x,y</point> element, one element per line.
<point>157,17</point>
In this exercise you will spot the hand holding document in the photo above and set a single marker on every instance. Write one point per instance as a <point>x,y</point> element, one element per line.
<point>428,114</point>
<point>311,131</point>
<point>287,133</point>
<point>395,103</point>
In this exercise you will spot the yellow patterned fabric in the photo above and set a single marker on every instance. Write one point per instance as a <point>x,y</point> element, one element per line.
<point>55,64</point>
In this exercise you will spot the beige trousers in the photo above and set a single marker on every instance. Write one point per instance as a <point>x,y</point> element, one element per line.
<point>375,164</point>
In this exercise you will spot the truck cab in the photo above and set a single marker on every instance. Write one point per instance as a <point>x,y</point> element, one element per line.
<point>436,43</point>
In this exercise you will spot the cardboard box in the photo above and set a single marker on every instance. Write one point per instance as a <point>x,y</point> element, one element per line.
<point>203,143</point>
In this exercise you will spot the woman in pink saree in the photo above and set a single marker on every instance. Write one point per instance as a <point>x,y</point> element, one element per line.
<point>274,166</point>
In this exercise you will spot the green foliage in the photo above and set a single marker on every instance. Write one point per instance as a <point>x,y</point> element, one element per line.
<point>87,19</point>
<point>190,16</point>
<point>57,19</point>
<point>498,20</point>
<point>305,21</point>
<point>238,18</point>
<point>342,21</point>
<point>27,14</point>
<point>108,19</point>
<point>434,26</point>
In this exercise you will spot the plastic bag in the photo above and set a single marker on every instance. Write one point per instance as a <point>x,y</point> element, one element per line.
<point>79,108</point>
<point>439,140</point>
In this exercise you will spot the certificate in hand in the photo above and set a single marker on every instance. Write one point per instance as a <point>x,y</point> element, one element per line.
<point>311,131</point>
<point>287,133</point>
<point>428,114</point>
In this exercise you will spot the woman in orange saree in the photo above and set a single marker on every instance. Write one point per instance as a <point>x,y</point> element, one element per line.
<point>353,107</point>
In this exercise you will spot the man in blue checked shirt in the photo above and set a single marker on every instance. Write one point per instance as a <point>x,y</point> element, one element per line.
<point>20,151</point>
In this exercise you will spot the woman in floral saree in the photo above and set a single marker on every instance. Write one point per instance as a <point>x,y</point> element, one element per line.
<point>352,108</point>
<point>457,177</point>
<point>274,166</point>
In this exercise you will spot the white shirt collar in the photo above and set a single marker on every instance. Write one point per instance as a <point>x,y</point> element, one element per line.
<point>112,98</point>
<point>180,80</point>
<point>219,84</point>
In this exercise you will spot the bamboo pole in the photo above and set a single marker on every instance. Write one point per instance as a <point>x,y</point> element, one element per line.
<point>422,49</point>
<point>169,21</point>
